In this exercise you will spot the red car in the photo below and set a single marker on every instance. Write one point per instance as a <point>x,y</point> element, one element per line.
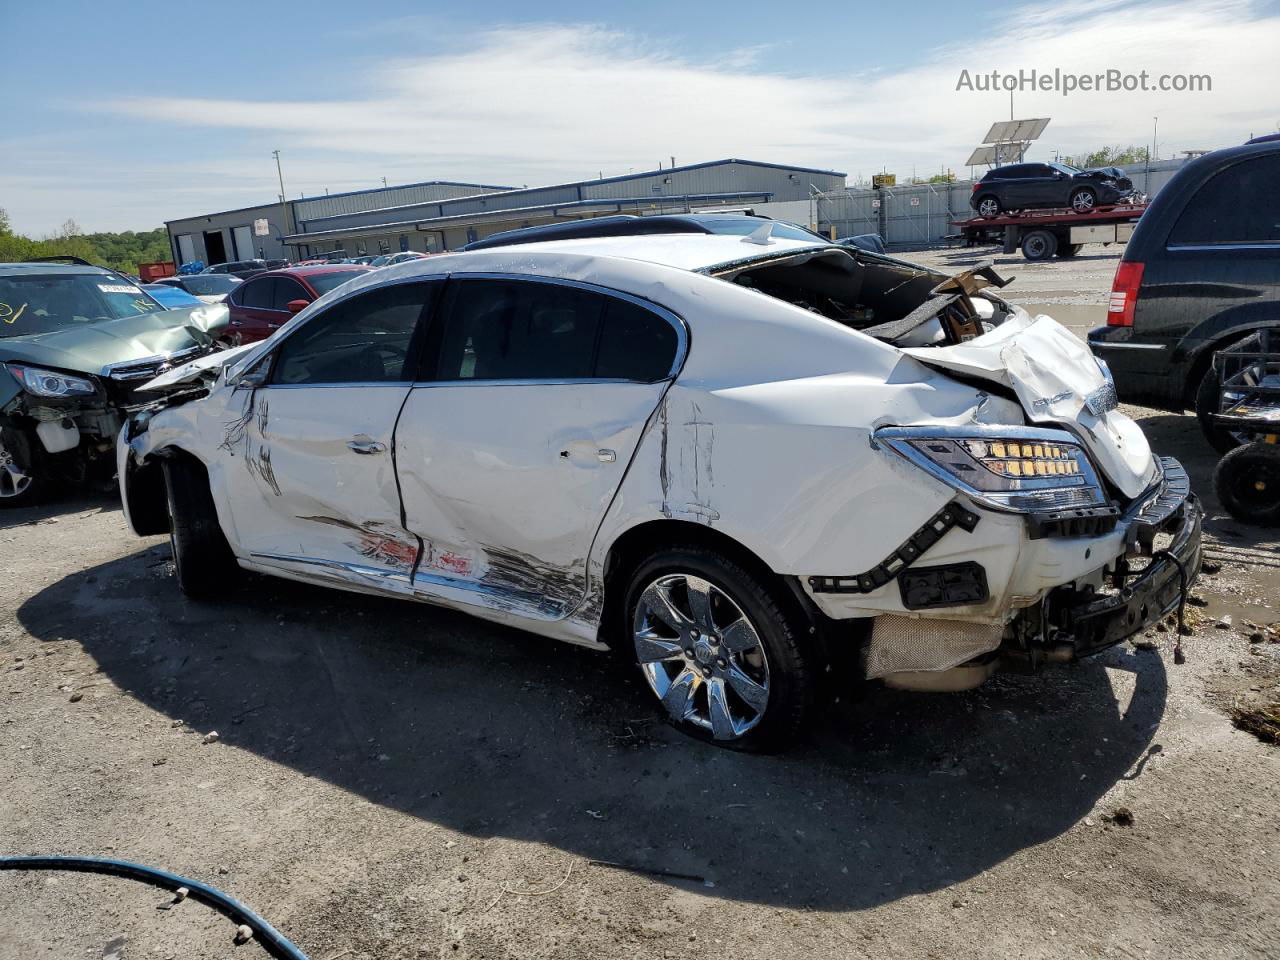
<point>263,303</point>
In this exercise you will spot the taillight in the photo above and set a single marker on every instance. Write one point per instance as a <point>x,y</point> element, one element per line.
<point>976,185</point>
<point>1124,294</point>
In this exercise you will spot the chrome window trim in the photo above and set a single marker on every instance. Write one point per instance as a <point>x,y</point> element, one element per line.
<point>674,319</point>
<point>403,384</point>
<point>1230,245</point>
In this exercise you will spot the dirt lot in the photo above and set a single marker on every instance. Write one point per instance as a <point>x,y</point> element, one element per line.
<point>391,780</point>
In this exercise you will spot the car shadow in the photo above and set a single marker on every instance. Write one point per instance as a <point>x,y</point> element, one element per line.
<point>495,732</point>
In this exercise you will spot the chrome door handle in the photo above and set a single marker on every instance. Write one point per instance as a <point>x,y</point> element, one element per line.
<point>367,446</point>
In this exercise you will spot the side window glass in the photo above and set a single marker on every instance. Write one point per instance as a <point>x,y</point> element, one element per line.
<point>635,344</point>
<point>364,339</point>
<point>1240,204</point>
<point>287,289</point>
<point>259,294</point>
<point>527,330</point>
<point>519,330</point>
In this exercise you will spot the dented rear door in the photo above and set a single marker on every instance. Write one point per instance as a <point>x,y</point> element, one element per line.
<point>511,452</point>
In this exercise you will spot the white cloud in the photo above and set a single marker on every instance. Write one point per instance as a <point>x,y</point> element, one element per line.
<point>540,103</point>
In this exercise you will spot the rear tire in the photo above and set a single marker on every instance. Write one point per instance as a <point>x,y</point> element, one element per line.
<point>1247,482</point>
<point>1208,395</point>
<point>734,669</point>
<point>202,558</point>
<point>988,207</point>
<point>1083,200</point>
<point>1039,245</point>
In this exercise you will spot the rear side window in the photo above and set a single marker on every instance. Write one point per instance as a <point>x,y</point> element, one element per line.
<point>526,330</point>
<point>363,339</point>
<point>1240,204</point>
<point>635,344</point>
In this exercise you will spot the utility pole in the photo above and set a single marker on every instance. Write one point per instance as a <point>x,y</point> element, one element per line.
<point>284,206</point>
<point>1155,139</point>
<point>384,182</point>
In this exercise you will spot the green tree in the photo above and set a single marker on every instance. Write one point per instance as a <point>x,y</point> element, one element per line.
<point>1109,157</point>
<point>120,251</point>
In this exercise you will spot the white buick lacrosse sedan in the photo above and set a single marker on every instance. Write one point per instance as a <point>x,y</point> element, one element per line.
<point>735,460</point>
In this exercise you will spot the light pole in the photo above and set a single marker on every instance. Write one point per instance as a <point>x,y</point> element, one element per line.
<point>284,207</point>
<point>1155,139</point>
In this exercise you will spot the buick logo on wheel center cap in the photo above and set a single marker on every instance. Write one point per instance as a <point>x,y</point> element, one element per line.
<point>702,650</point>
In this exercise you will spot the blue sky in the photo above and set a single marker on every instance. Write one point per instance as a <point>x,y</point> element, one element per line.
<point>126,119</point>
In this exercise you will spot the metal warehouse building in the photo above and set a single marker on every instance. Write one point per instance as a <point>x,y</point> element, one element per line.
<point>443,215</point>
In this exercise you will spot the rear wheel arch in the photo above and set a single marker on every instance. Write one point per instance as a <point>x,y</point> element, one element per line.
<point>640,542</point>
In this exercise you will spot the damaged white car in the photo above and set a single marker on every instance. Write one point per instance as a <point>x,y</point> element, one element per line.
<point>735,460</point>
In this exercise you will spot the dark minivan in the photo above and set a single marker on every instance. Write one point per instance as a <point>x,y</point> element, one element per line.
<point>1201,272</point>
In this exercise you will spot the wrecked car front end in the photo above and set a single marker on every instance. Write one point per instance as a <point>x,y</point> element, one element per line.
<point>69,378</point>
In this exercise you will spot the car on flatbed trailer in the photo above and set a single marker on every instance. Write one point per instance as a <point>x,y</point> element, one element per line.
<point>1044,234</point>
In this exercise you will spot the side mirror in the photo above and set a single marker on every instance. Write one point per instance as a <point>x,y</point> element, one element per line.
<point>255,376</point>
<point>294,306</point>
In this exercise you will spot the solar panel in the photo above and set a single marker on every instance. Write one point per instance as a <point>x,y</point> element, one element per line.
<point>980,156</point>
<point>1004,130</point>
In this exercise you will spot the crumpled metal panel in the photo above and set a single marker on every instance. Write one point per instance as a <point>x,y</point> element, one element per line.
<point>907,643</point>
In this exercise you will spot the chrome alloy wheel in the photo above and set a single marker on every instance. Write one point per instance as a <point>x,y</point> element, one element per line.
<point>989,207</point>
<point>701,655</point>
<point>13,479</point>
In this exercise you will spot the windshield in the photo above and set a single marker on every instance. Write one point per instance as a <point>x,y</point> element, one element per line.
<point>1066,168</point>
<point>211,285</point>
<point>44,302</point>
<point>324,282</point>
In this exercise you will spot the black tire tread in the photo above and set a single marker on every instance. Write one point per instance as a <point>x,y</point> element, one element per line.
<point>202,557</point>
<point>1243,460</point>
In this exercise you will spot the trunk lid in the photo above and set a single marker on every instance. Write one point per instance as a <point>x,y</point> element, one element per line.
<point>1058,382</point>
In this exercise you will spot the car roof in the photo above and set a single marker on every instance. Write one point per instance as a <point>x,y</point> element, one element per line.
<point>684,251</point>
<point>624,224</point>
<point>45,266</point>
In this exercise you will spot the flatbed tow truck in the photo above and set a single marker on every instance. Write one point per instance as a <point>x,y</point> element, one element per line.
<point>1043,234</point>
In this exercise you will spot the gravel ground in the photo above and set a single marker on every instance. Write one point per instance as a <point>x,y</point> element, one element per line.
<point>391,780</point>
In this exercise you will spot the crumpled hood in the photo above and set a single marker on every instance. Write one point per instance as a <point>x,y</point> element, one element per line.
<point>1058,382</point>
<point>89,348</point>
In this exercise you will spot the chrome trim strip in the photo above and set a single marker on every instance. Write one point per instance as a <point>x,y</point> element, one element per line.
<point>177,358</point>
<point>1209,247</point>
<point>402,384</point>
<point>1109,345</point>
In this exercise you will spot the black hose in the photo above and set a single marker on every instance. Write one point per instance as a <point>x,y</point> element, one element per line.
<point>1178,656</point>
<point>271,939</point>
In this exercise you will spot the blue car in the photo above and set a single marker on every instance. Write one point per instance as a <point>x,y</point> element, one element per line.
<point>171,298</point>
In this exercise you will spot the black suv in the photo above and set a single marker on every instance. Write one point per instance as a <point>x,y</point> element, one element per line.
<point>1202,271</point>
<point>1024,186</point>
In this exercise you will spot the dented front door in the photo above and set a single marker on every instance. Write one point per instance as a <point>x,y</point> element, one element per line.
<point>315,490</point>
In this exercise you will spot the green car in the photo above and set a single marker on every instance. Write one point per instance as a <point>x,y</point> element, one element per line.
<point>76,341</point>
